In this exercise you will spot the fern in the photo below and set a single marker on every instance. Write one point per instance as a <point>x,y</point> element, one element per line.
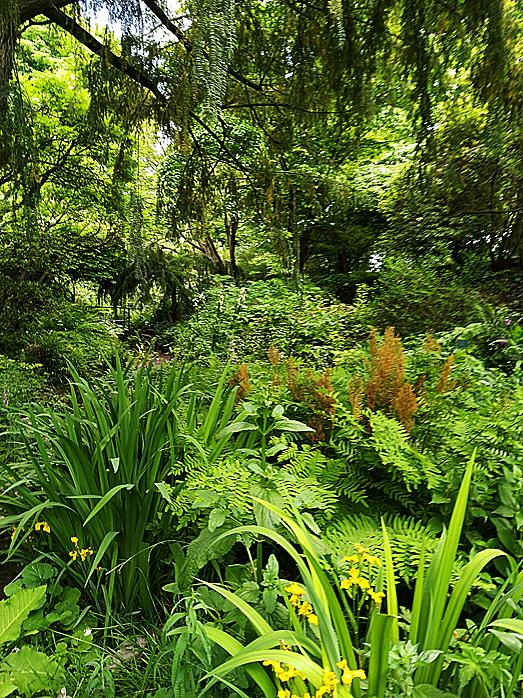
<point>390,440</point>
<point>407,535</point>
<point>396,492</point>
<point>349,480</point>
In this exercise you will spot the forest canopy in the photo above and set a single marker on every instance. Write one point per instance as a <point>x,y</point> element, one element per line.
<point>339,129</point>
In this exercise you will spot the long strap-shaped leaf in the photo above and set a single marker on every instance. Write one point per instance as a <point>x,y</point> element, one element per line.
<point>392,599</point>
<point>332,624</point>
<point>454,608</point>
<point>380,640</point>
<point>312,670</point>
<point>439,573</point>
<point>233,646</point>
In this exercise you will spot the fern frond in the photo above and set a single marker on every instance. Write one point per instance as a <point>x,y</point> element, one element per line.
<point>407,536</point>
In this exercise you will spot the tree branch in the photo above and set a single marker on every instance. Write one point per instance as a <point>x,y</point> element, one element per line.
<point>89,41</point>
<point>84,37</point>
<point>27,9</point>
<point>179,34</point>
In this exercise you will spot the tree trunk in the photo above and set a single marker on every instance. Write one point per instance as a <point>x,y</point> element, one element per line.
<point>295,236</point>
<point>8,29</point>
<point>231,229</point>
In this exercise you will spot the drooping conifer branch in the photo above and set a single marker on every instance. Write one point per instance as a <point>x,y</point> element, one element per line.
<point>99,49</point>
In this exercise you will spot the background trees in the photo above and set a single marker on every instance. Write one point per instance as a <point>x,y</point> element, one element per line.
<point>247,139</point>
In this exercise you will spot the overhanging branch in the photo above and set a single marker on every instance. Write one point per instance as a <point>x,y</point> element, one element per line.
<point>119,63</point>
<point>179,34</point>
<point>89,41</point>
<point>27,9</point>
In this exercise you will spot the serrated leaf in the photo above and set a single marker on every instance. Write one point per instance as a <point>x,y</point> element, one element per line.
<point>32,671</point>
<point>14,611</point>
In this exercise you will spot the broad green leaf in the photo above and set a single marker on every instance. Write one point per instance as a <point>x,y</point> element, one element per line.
<point>14,611</point>
<point>511,641</point>
<point>235,428</point>
<point>32,671</point>
<point>513,624</point>
<point>291,425</point>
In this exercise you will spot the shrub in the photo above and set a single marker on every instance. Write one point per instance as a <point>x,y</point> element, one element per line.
<point>415,297</point>
<point>243,323</point>
<point>72,335</point>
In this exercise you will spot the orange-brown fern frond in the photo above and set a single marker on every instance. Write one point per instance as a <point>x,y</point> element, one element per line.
<point>387,369</point>
<point>405,405</point>
<point>444,384</point>
<point>356,393</point>
<point>242,380</point>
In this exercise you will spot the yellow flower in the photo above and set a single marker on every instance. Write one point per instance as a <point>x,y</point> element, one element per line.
<point>13,534</point>
<point>313,619</point>
<point>330,680</point>
<point>350,558</point>
<point>294,600</point>
<point>42,526</point>
<point>295,589</point>
<point>305,609</point>
<point>361,550</point>
<point>329,684</point>
<point>354,572</point>
<point>347,583</point>
<point>363,583</point>
<point>376,596</point>
<point>272,663</point>
<point>349,675</point>
<point>73,554</point>
<point>74,540</point>
<point>284,693</point>
<point>290,673</point>
<point>283,671</point>
<point>284,646</point>
<point>373,560</point>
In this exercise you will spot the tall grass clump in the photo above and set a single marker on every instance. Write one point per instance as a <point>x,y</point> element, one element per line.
<point>89,496</point>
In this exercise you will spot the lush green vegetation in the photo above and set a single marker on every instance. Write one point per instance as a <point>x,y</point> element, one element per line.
<point>261,358</point>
